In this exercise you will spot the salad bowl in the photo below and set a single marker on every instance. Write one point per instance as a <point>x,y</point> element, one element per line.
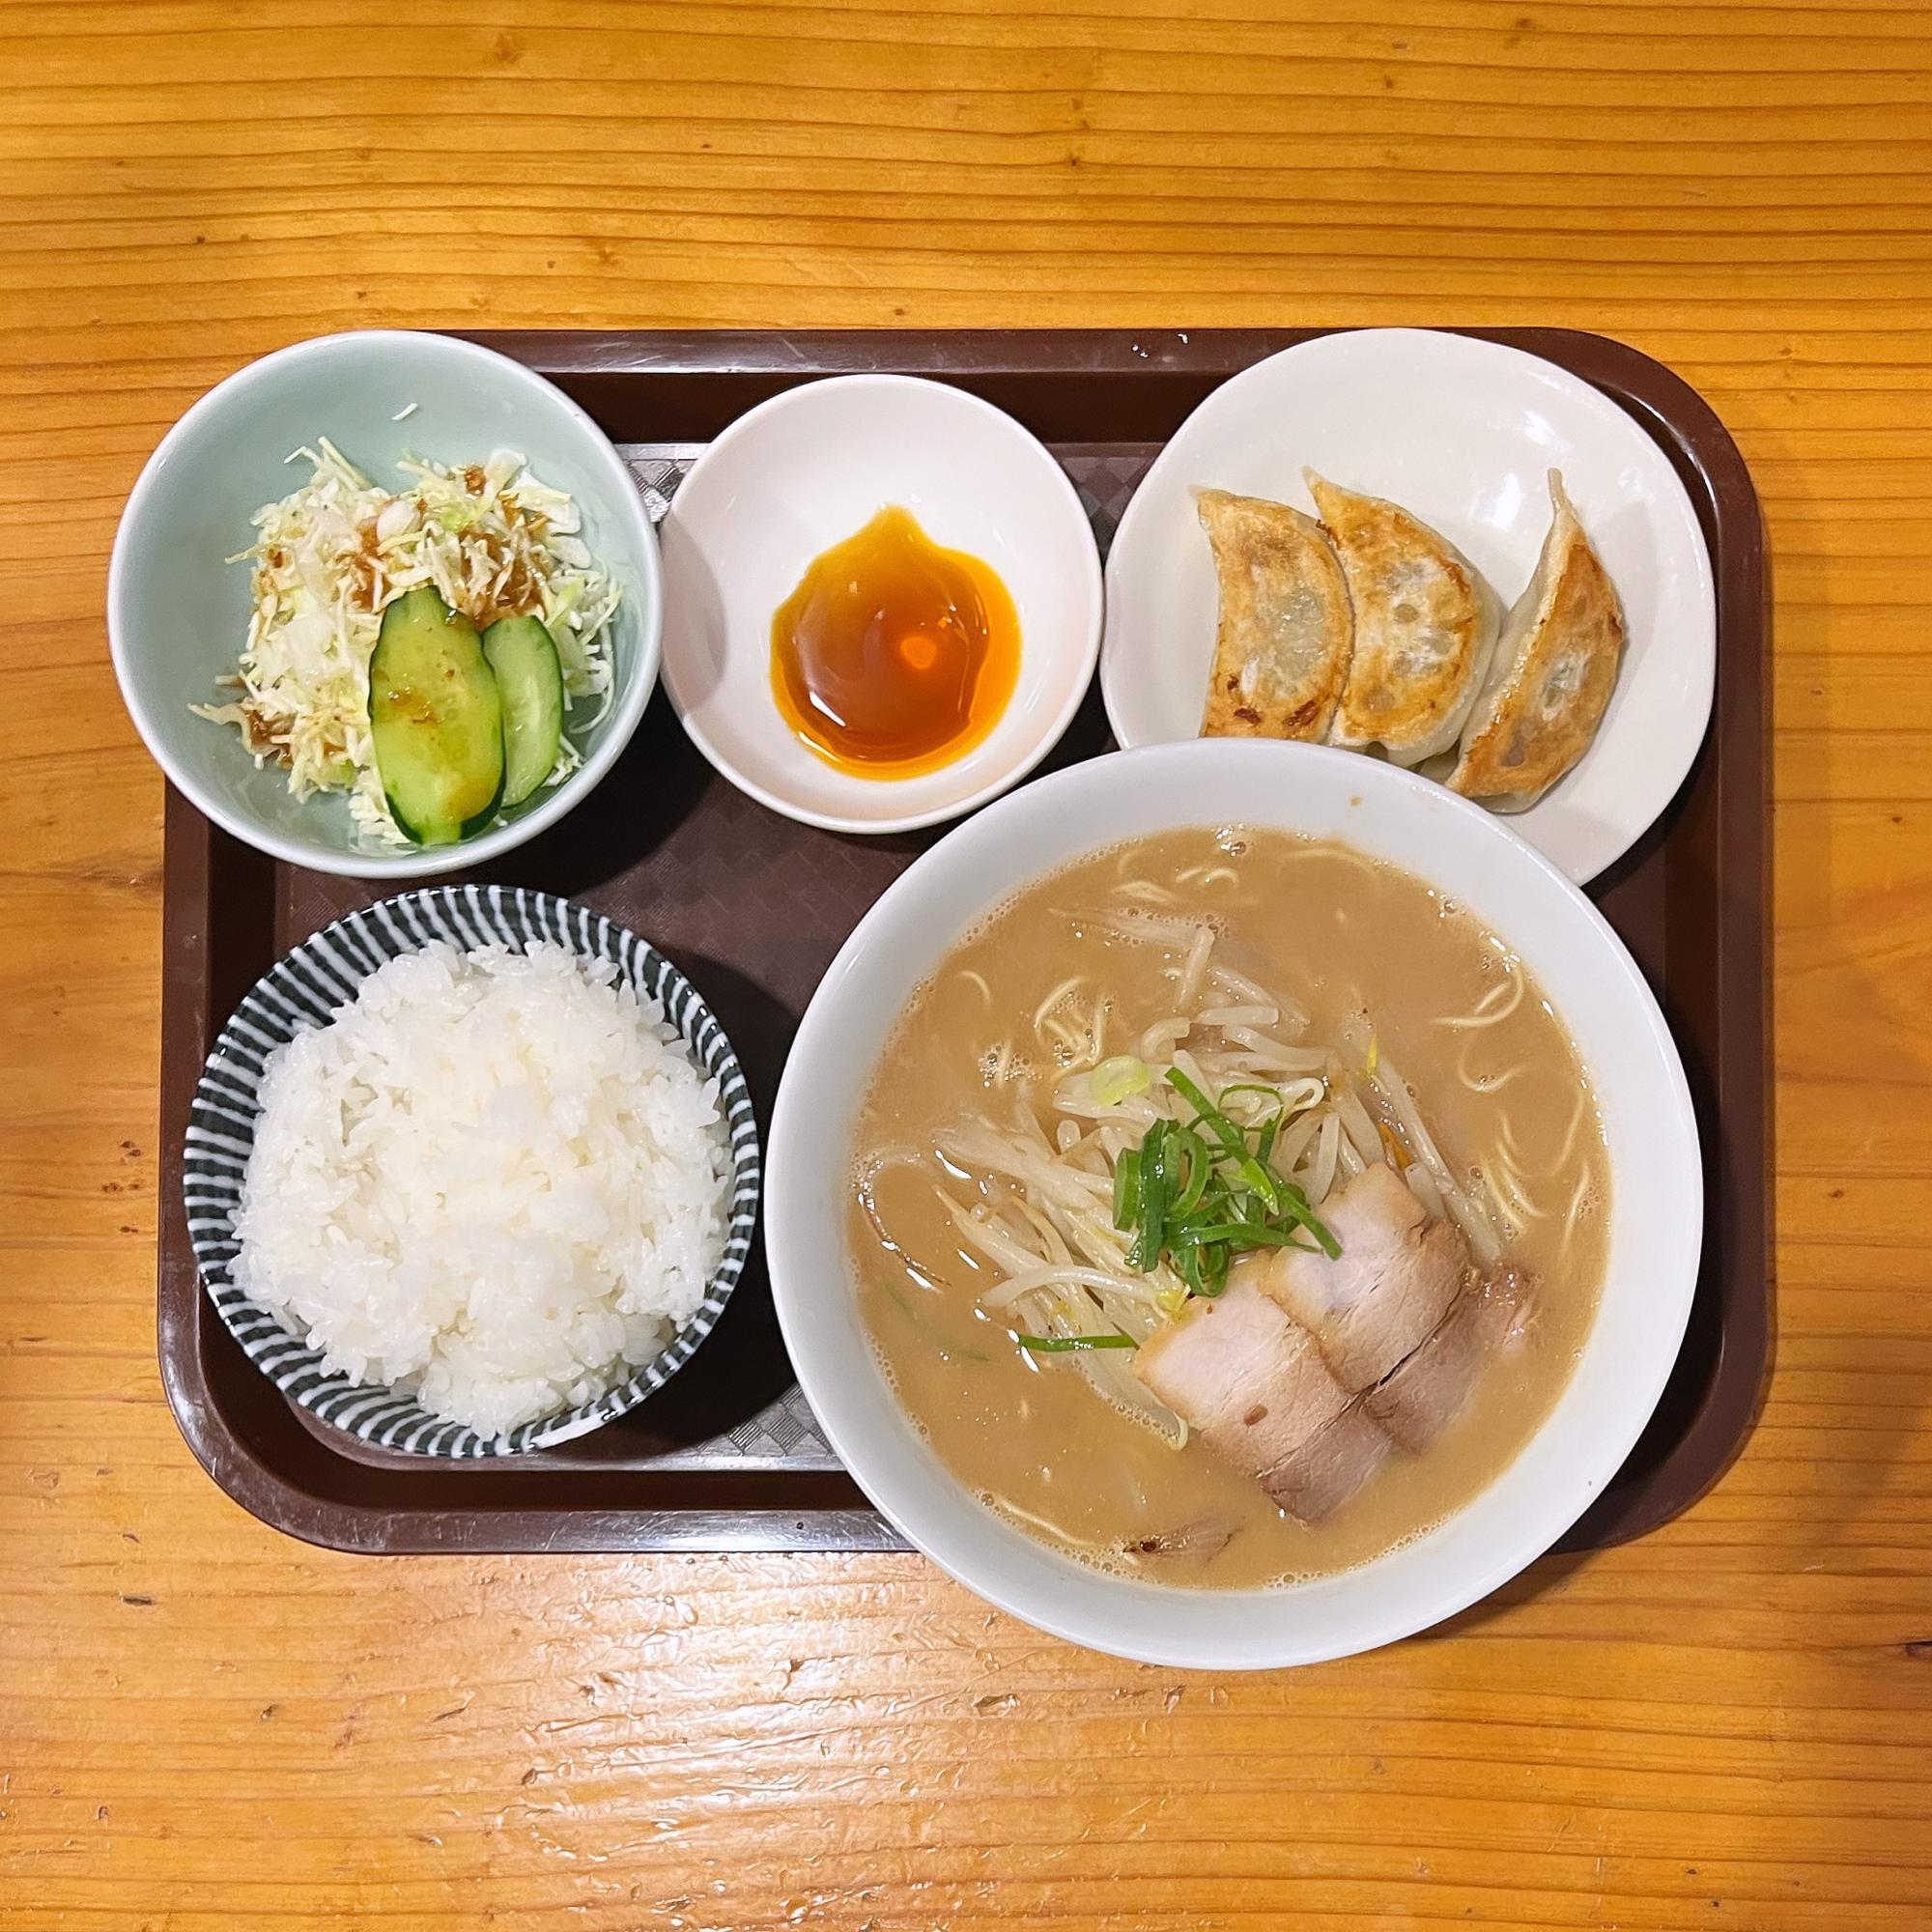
<point>180,598</point>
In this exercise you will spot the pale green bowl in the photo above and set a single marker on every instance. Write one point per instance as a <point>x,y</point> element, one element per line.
<point>177,615</point>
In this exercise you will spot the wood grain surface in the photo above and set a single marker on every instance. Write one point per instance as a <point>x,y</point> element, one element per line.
<point>203,1725</point>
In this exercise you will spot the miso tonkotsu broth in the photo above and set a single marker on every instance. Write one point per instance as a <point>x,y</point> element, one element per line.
<point>1374,1026</point>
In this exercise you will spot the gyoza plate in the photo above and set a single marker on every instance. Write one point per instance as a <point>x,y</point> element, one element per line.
<point>1463,434</point>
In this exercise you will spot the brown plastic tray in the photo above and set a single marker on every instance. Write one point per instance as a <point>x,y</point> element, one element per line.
<point>753,907</point>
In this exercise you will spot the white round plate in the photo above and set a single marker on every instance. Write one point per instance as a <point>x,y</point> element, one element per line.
<point>801,472</point>
<point>1656,1195</point>
<point>1463,434</point>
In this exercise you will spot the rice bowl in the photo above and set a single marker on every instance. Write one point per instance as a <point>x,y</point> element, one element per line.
<point>493,1181</point>
<point>471,1172</point>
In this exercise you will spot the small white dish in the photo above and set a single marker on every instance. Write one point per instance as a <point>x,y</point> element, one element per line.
<point>805,471</point>
<point>1655,1196</point>
<point>1462,432</point>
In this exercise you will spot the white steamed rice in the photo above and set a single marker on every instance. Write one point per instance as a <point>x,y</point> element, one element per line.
<point>496,1181</point>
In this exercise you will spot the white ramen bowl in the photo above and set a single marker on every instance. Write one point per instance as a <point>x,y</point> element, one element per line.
<point>1656,1209</point>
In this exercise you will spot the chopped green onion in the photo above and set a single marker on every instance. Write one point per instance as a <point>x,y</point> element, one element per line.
<point>1066,1345</point>
<point>1295,1205</point>
<point>1214,1263</point>
<point>1232,1141</point>
<point>1243,1234</point>
<point>1190,1093</point>
<point>1200,1165</point>
<point>1188,1261</point>
<point>1145,1254</point>
<point>1198,1194</point>
<point>1128,1190</point>
<point>1203,1267</point>
<point>1117,1079</point>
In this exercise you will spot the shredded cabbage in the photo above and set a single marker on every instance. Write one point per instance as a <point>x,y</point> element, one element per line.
<point>494,540</point>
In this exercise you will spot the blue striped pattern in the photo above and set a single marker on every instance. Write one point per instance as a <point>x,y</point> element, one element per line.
<point>306,988</point>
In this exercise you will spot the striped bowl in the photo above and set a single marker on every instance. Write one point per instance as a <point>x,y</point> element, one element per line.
<point>306,988</point>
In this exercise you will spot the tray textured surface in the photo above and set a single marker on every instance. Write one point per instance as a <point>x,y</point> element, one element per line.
<point>753,907</point>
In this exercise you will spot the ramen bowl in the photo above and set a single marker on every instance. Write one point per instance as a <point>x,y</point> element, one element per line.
<point>1653,1217</point>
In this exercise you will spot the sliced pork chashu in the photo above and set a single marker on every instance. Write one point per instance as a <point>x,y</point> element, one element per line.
<point>1254,1387</point>
<point>1284,634</point>
<point>1420,1399</point>
<point>1550,680</point>
<point>1385,1295</point>
<point>1306,1371</point>
<point>1331,1465</point>
<point>1425,625</point>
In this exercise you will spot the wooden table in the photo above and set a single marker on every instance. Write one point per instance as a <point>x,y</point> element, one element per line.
<point>202,1723</point>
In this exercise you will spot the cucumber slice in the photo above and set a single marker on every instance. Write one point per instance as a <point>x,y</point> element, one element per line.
<point>524,656</point>
<point>436,720</point>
